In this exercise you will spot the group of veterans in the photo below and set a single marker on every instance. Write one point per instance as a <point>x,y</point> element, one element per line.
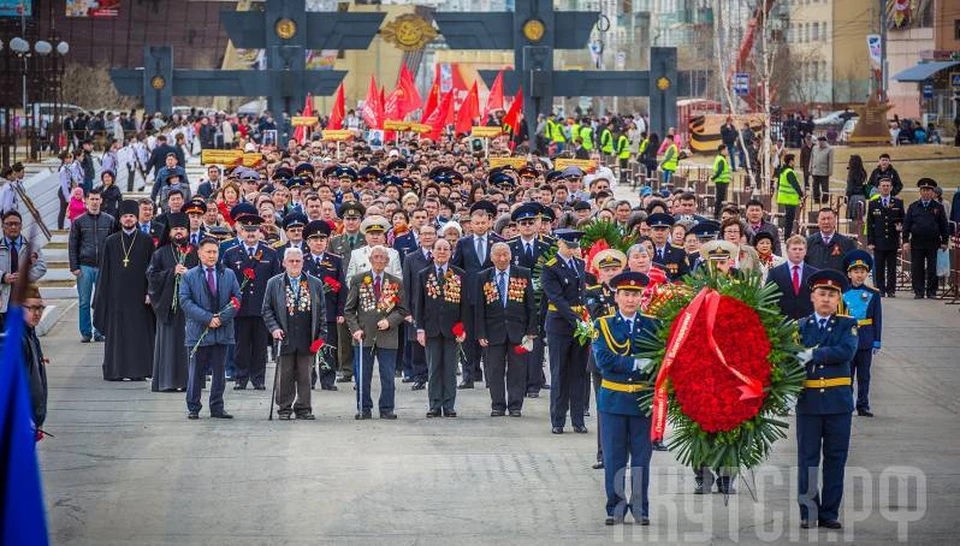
<point>428,264</point>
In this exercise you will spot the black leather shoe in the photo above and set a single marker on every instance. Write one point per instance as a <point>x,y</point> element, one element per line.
<point>329,388</point>
<point>864,413</point>
<point>344,380</point>
<point>545,387</point>
<point>533,395</point>
<point>418,386</point>
<point>586,413</point>
<point>407,380</point>
<point>85,339</point>
<point>930,296</point>
<point>918,296</point>
<point>433,413</point>
<point>362,416</point>
<point>597,465</point>
<point>259,387</point>
<point>389,415</point>
<point>891,294</point>
<point>658,446</point>
<point>515,413</point>
<point>804,524</point>
<point>193,415</point>
<point>497,413</point>
<point>831,524</point>
<point>306,416</point>
<point>465,385</point>
<point>450,413</point>
<point>611,521</point>
<point>580,429</point>
<point>644,521</point>
<point>285,416</point>
<point>239,386</point>
<point>698,488</point>
<point>221,415</point>
<point>557,430</point>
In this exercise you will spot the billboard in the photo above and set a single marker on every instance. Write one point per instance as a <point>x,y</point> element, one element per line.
<point>16,8</point>
<point>93,8</point>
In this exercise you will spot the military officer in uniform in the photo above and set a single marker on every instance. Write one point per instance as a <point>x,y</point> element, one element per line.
<point>343,245</point>
<point>862,302</point>
<point>625,433</point>
<point>884,224</point>
<point>825,405</point>
<point>670,258</point>
<point>563,281</point>
<point>251,255</point>
<point>924,231</point>
<point>599,300</point>
<point>328,267</point>
<point>293,224</point>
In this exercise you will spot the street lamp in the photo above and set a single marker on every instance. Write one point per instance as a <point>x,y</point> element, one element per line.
<point>20,46</point>
<point>63,48</point>
<point>43,47</point>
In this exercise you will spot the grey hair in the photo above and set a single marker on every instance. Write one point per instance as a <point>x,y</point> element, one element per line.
<point>499,245</point>
<point>379,248</point>
<point>292,250</point>
<point>637,248</point>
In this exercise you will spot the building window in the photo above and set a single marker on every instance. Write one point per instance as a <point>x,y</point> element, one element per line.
<point>816,33</point>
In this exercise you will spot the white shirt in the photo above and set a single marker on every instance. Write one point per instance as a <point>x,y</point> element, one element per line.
<point>360,263</point>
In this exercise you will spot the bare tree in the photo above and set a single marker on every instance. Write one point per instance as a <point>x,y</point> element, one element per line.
<point>90,87</point>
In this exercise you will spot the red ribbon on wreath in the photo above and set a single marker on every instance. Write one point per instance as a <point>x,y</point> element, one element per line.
<point>709,297</point>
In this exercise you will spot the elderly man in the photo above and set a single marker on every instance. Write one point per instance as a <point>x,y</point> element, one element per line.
<point>374,230</point>
<point>373,312</point>
<point>506,319</point>
<point>13,253</point>
<point>821,168</point>
<point>825,250</point>
<point>294,311</point>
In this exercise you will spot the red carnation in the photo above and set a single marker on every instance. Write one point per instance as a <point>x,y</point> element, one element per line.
<point>235,302</point>
<point>520,350</point>
<point>334,284</point>
<point>457,329</point>
<point>248,273</point>
<point>316,345</point>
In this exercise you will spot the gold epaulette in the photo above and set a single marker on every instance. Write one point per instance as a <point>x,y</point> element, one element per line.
<point>278,245</point>
<point>551,261</point>
<point>593,287</point>
<point>648,316</point>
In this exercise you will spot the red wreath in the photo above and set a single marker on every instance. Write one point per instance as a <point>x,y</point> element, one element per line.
<point>706,390</point>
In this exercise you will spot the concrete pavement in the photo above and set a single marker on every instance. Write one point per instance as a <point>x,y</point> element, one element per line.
<point>126,467</point>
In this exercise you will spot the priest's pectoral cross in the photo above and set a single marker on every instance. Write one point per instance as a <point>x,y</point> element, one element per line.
<point>126,261</point>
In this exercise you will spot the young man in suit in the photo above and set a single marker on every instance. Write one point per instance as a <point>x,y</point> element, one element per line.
<point>506,318</point>
<point>328,268</point>
<point>438,307</point>
<point>791,278</point>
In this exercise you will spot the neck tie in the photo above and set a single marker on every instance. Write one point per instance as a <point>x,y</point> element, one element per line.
<point>481,248</point>
<point>530,252</point>
<point>573,267</point>
<point>440,277</point>
<point>14,257</point>
<point>629,326</point>
<point>429,256</point>
<point>250,252</point>
<point>796,280</point>
<point>823,324</point>
<point>193,239</point>
<point>376,287</point>
<point>502,287</point>
<point>145,228</point>
<point>211,282</point>
<point>886,202</point>
<point>826,241</point>
<point>660,255</point>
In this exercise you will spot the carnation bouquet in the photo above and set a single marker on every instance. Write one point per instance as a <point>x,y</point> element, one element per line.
<point>726,369</point>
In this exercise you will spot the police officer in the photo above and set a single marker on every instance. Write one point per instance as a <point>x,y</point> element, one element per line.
<point>293,224</point>
<point>625,433</point>
<point>924,231</point>
<point>720,178</point>
<point>884,223</point>
<point>862,302</point>
<point>825,405</point>
<point>789,194</point>
<point>623,154</point>
<point>670,258</point>
<point>563,281</point>
<point>599,301</point>
<point>328,267</point>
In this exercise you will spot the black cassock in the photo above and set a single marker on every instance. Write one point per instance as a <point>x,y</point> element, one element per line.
<point>120,311</point>
<point>170,354</point>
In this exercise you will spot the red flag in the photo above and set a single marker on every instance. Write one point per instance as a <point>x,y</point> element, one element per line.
<point>469,110</point>
<point>300,133</point>
<point>495,98</point>
<point>408,98</point>
<point>438,118</point>
<point>433,98</point>
<point>372,107</point>
<point>513,114</point>
<point>381,112</point>
<point>338,111</point>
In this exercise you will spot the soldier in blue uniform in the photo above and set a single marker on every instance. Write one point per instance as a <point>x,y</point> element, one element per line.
<point>563,279</point>
<point>862,302</point>
<point>327,267</point>
<point>670,258</point>
<point>293,224</point>
<point>625,434</point>
<point>824,407</point>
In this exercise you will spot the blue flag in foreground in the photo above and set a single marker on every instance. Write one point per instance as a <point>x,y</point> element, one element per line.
<point>22,516</point>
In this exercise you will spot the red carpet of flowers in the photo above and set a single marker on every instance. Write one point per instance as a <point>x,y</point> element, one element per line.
<point>706,391</point>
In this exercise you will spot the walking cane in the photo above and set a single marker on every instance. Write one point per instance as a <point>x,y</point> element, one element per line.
<point>276,376</point>
<point>359,375</point>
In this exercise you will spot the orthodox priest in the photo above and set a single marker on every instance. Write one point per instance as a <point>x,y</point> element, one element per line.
<point>169,262</point>
<point>121,305</point>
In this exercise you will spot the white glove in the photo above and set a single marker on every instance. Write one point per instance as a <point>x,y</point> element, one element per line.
<point>805,356</point>
<point>641,364</point>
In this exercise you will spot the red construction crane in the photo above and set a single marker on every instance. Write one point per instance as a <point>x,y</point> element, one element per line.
<point>746,48</point>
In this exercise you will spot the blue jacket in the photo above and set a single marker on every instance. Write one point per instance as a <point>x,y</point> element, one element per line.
<point>833,351</point>
<point>405,244</point>
<point>198,306</point>
<point>563,289</point>
<point>863,304</point>
<point>614,351</point>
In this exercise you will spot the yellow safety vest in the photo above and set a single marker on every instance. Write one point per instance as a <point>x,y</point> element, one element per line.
<point>724,176</point>
<point>606,142</point>
<point>586,133</point>
<point>623,147</point>
<point>786,194</point>
<point>643,146</point>
<point>574,131</point>
<point>556,133</point>
<point>671,164</point>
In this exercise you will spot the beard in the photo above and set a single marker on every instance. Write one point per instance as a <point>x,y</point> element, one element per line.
<point>181,240</point>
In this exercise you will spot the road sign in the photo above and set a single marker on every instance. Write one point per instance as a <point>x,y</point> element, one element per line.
<point>741,84</point>
<point>927,91</point>
<point>955,80</point>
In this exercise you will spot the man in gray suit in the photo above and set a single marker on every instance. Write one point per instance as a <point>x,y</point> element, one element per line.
<point>373,312</point>
<point>294,312</point>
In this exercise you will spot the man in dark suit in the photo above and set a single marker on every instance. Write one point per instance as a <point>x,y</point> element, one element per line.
<point>826,249</point>
<point>791,278</point>
<point>506,319</point>
<point>343,245</point>
<point>925,230</point>
<point>670,258</point>
<point>209,187</point>
<point>294,312</point>
<point>438,308</point>
<point>884,224</point>
<point>473,255</point>
<point>824,406</point>
<point>415,358</point>
<point>254,263</point>
<point>328,268</point>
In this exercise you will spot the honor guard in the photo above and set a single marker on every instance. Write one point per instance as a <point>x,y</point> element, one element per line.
<point>884,224</point>
<point>825,405</point>
<point>562,280</point>
<point>625,430</point>
<point>862,302</point>
<point>328,267</point>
